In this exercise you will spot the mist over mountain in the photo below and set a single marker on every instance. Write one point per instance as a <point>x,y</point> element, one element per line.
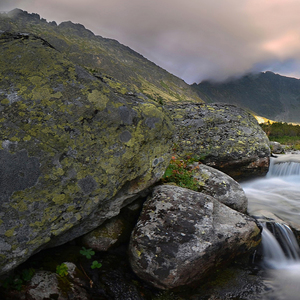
<point>267,94</point>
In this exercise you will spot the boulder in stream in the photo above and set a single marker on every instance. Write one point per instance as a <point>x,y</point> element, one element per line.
<point>223,136</point>
<point>182,236</point>
<point>221,186</point>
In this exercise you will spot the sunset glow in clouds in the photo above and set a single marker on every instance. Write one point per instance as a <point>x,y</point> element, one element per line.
<point>193,39</point>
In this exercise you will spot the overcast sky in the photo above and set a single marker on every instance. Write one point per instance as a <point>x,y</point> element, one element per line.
<point>193,39</point>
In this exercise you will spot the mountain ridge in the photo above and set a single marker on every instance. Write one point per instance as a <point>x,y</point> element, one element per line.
<point>266,94</point>
<point>122,68</point>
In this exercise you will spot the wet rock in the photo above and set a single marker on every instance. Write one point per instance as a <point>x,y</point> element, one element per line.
<point>222,187</point>
<point>182,236</point>
<point>276,148</point>
<point>223,136</point>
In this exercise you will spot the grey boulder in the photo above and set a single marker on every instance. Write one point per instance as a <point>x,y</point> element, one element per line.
<point>222,187</point>
<point>182,236</point>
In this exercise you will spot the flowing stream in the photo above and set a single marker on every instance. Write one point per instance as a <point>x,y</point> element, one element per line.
<point>279,193</point>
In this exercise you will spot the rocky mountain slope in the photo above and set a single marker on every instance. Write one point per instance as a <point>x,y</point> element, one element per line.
<point>267,94</point>
<point>123,69</point>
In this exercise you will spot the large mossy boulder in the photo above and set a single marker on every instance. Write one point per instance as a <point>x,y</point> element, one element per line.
<point>182,236</point>
<point>223,136</point>
<point>72,152</point>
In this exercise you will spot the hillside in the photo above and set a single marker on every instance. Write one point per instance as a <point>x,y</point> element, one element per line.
<point>123,69</point>
<point>266,94</point>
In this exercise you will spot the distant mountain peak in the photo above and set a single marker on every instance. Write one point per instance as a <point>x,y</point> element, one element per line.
<point>266,94</point>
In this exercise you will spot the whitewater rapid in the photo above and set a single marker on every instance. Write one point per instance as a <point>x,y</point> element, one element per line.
<point>279,191</point>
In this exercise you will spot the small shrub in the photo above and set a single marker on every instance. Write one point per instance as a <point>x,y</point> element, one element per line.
<point>96,264</point>
<point>16,282</point>
<point>27,274</point>
<point>181,173</point>
<point>62,270</point>
<point>88,253</point>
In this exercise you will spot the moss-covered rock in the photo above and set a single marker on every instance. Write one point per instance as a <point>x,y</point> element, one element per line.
<point>72,152</point>
<point>223,136</point>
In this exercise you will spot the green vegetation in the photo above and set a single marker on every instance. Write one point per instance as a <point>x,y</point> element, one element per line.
<point>96,264</point>
<point>279,130</point>
<point>88,253</point>
<point>283,133</point>
<point>181,171</point>
<point>62,270</point>
<point>16,281</point>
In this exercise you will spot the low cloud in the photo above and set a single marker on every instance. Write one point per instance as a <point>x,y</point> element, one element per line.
<point>193,39</point>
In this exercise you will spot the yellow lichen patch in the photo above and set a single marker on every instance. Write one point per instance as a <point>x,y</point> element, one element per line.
<point>138,252</point>
<point>39,240</point>
<point>36,80</point>
<point>59,199</point>
<point>5,101</point>
<point>10,232</point>
<point>15,139</point>
<point>98,99</point>
<point>39,93</point>
<point>26,138</point>
<point>20,206</point>
<point>116,85</point>
<point>71,208</point>
<point>62,229</point>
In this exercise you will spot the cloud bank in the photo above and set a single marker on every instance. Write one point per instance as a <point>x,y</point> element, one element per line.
<point>193,39</point>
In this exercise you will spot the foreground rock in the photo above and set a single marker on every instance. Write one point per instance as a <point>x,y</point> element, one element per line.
<point>221,187</point>
<point>183,235</point>
<point>222,136</point>
<point>72,152</point>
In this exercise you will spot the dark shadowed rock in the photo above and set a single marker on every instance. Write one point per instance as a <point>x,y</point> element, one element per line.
<point>183,235</point>
<point>222,136</point>
<point>115,230</point>
<point>104,237</point>
<point>47,285</point>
